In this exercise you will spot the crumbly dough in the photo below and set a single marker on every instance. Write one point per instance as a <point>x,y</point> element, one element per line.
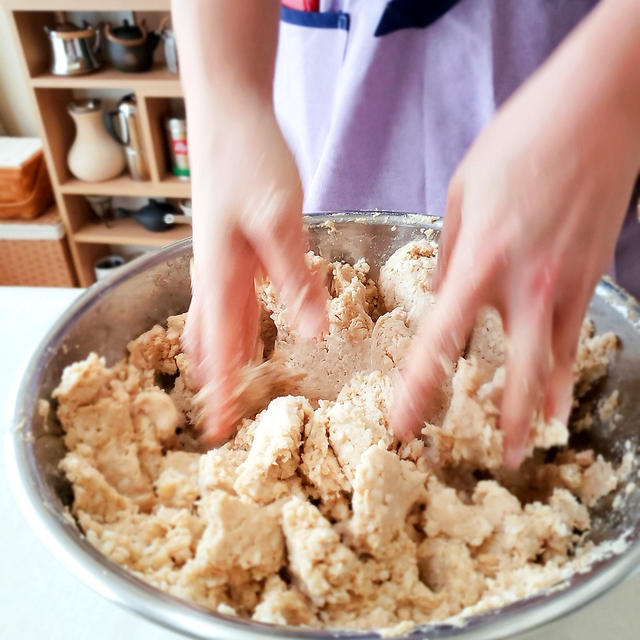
<point>313,513</point>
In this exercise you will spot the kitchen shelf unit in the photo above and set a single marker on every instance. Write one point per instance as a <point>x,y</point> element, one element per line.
<point>88,238</point>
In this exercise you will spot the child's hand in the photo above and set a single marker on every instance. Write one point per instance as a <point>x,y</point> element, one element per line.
<point>533,215</point>
<point>247,203</point>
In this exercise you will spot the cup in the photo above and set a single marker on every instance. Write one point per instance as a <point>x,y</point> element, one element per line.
<point>106,265</point>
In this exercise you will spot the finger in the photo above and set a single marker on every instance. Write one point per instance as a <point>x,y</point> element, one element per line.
<point>281,247</point>
<point>450,230</point>
<point>440,340</point>
<point>529,360</point>
<point>191,336</point>
<point>227,331</point>
<point>567,323</point>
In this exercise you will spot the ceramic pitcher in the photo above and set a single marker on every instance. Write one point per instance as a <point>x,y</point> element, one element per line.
<point>94,155</point>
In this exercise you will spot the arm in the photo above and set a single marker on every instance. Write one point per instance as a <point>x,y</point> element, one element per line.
<point>246,193</point>
<point>533,214</point>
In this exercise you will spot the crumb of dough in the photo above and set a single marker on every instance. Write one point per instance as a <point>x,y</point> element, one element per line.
<point>274,457</point>
<point>218,468</point>
<point>384,490</point>
<point>157,348</point>
<point>405,280</point>
<point>447,566</point>
<point>177,483</point>
<point>608,406</point>
<point>321,566</point>
<point>346,345</point>
<point>358,419</point>
<point>319,463</point>
<point>313,514</point>
<point>283,604</point>
<point>595,351</point>
<point>240,536</point>
<point>598,480</point>
<point>469,433</point>
<point>390,340</point>
<point>446,514</point>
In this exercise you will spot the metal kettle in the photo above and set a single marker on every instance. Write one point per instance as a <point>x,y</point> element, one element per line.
<point>130,47</point>
<point>124,125</point>
<point>154,216</point>
<point>74,50</point>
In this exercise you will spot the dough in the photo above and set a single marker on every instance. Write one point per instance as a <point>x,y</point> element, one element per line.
<point>313,513</point>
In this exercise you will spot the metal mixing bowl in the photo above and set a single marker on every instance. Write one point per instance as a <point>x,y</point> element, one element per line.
<point>155,286</point>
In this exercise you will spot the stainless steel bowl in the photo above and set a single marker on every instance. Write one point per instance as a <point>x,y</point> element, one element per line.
<point>155,286</point>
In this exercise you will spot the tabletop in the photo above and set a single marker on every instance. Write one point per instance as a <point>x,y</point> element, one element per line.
<point>40,598</point>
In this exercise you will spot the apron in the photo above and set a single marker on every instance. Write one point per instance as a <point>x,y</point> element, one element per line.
<point>380,100</point>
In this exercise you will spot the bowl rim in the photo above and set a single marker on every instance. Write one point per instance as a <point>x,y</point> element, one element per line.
<point>112,581</point>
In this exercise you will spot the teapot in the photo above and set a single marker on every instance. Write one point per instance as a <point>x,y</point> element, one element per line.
<point>74,50</point>
<point>130,47</point>
<point>154,216</point>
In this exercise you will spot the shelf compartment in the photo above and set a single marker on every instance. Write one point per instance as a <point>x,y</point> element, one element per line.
<point>125,186</point>
<point>29,30</point>
<point>58,127</point>
<point>158,81</point>
<point>157,111</point>
<point>128,231</point>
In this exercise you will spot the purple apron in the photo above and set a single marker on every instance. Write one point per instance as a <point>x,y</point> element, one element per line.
<point>381,121</point>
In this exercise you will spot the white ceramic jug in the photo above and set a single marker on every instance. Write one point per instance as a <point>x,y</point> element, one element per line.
<point>94,155</point>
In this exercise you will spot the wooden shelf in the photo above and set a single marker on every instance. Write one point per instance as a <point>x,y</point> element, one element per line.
<point>157,92</point>
<point>158,81</point>
<point>88,5</point>
<point>171,187</point>
<point>130,232</point>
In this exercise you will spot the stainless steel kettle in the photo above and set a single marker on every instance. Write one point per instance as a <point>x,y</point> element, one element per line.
<point>124,125</point>
<point>74,50</point>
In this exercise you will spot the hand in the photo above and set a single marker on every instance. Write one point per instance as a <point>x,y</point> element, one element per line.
<point>533,213</point>
<point>247,201</point>
<point>246,194</point>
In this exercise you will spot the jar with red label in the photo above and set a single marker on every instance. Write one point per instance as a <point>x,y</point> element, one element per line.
<point>177,137</point>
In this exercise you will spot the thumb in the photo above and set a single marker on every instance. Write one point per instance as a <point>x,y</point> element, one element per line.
<point>450,231</point>
<point>281,247</point>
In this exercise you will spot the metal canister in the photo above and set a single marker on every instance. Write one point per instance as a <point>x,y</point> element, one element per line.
<point>177,138</point>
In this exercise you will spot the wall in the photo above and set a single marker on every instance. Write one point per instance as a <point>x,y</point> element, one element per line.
<point>16,111</point>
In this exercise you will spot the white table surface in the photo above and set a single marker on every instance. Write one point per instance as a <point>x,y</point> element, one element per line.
<point>40,599</point>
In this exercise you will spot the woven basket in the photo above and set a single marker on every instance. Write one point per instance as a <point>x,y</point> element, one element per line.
<point>35,253</point>
<point>25,190</point>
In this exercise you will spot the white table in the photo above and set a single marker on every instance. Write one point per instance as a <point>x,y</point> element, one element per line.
<point>40,599</point>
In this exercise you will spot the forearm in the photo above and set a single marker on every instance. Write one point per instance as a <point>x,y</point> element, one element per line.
<point>227,52</point>
<point>597,68</point>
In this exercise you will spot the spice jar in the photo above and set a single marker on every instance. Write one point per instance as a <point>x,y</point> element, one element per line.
<point>177,138</point>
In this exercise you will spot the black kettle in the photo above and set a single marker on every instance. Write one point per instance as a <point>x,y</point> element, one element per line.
<point>130,47</point>
<point>154,216</point>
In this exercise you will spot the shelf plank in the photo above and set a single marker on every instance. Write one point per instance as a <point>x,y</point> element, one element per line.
<point>158,81</point>
<point>128,231</point>
<point>89,5</point>
<point>169,187</point>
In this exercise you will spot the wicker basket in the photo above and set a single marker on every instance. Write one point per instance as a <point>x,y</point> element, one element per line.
<point>35,253</point>
<point>25,190</point>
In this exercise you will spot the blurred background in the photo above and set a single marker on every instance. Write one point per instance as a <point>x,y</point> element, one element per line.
<point>93,155</point>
